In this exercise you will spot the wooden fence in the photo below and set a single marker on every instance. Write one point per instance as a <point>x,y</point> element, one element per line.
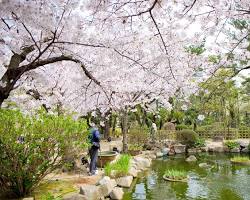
<point>226,134</point>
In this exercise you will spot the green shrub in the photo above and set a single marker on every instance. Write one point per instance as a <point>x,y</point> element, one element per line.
<point>119,168</point>
<point>134,147</point>
<point>187,137</point>
<point>231,144</point>
<point>175,174</point>
<point>200,142</point>
<point>180,127</point>
<point>45,141</point>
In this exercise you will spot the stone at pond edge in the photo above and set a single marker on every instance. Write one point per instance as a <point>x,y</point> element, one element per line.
<point>235,150</point>
<point>125,181</point>
<point>133,172</point>
<point>165,151</point>
<point>117,193</point>
<point>245,150</point>
<point>243,143</point>
<point>92,192</point>
<point>74,196</point>
<point>179,148</point>
<point>28,198</point>
<point>106,188</point>
<point>159,154</point>
<point>191,158</point>
<point>104,180</point>
<point>142,163</point>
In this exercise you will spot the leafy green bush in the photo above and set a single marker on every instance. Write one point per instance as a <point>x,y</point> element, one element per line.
<point>200,142</point>
<point>175,174</point>
<point>33,146</point>
<point>119,168</point>
<point>187,137</point>
<point>231,144</point>
<point>181,127</point>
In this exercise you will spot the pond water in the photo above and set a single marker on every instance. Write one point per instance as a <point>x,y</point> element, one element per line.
<point>222,181</point>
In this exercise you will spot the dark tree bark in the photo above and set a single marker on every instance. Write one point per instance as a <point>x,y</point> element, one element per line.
<point>107,124</point>
<point>124,123</point>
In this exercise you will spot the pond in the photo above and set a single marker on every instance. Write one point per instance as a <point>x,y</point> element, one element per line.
<point>221,181</point>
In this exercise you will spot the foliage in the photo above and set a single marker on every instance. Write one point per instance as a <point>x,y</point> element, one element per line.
<point>200,142</point>
<point>33,146</point>
<point>138,135</point>
<point>175,174</point>
<point>181,127</point>
<point>117,132</point>
<point>231,144</point>
<point>187,137</point>
<point>119,168</point>
<point>240,159</point>
<point>134,147</point>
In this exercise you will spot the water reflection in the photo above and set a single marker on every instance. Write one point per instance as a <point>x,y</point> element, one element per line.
<point>221,181</point>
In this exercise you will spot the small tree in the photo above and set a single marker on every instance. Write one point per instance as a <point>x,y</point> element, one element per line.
<point>33,146</point>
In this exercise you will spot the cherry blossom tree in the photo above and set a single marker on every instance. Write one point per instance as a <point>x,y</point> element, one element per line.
<point>116,54</point>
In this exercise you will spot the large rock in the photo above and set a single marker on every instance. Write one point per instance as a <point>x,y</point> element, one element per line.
<point>245,150</point>
<point>142,163</point>
<point>133,172</point>
<point>165,151</point>
<point>179,148</point>
<point>216,147</point>
<point>74,196</point>
<point>125,181</point>
<point>159,154</point>
<point>104,180</point>
<point>235,150</point>
<point>243,143</point>
<point>92,192</point>
<point>107,187</point>
<point>191,158</point>
<point>117,193</point>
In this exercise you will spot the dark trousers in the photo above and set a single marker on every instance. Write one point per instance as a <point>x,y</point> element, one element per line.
<point>93,152</point>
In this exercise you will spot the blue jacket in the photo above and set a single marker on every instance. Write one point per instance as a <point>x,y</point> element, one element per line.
<point>94,136</point>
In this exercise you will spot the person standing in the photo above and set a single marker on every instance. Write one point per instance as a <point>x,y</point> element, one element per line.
<point>153,132</point>
<point>93,151</point>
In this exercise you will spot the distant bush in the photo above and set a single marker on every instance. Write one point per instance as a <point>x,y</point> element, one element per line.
<point>187,137</point>
<point>33,146</point>
<point>119,168</point>
<point>231,144</point>
<point>117,132</point>
<point>138,135</point>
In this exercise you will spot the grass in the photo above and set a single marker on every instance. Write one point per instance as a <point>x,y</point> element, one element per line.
<point>53,190</point>
<point>120,167</point>
<point>240,159</point>
<point>175,174</point>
